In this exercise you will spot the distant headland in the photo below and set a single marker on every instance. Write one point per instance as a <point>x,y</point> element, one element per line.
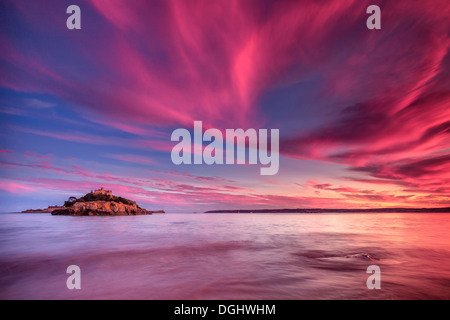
<point>319,210</point>
<point>99,202</point>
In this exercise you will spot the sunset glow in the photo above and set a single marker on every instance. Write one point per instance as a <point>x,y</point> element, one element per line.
<point>363,115</point>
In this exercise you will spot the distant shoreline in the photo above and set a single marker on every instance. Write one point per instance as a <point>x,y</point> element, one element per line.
<point>319,210</point>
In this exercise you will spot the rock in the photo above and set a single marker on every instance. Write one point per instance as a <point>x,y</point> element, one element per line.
<point>101,203</point>
<point>364,256</point>
<point>101,208</point>
<point>48,210</point>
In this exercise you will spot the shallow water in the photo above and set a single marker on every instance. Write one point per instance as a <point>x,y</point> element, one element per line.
<point>225,256</point>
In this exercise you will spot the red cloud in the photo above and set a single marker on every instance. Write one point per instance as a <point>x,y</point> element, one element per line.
<point>164,64</point>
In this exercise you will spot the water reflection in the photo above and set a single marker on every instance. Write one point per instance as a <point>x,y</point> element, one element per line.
<point>259,256</point>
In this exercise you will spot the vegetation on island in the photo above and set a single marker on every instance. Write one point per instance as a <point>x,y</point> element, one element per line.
<point>91,196</point>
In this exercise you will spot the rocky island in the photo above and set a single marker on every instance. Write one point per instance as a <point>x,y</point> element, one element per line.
<point>101,203</point>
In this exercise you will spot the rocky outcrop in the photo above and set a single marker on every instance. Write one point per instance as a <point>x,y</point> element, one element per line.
<point>101,208</point>
<point>101,204</point>
<point>48,210</point>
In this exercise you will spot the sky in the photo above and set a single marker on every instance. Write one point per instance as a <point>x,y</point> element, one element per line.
<point>363,115</point>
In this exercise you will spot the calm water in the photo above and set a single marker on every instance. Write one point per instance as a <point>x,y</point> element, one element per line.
<point>220,256</point>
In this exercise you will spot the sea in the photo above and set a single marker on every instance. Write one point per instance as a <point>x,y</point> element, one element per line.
<point>226,256</point>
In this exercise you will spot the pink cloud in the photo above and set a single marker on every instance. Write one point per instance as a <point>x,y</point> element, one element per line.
<point>132,159</point>
<point>215,76</point>
<point>14,187</point>
<point>165,64</point>
<point>35,155</point>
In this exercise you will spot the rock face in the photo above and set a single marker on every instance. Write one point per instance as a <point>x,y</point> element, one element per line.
<point>101,208</point>
<point>100,204</point>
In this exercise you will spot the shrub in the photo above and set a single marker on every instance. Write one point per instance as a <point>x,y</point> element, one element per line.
<point>98,197</point>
